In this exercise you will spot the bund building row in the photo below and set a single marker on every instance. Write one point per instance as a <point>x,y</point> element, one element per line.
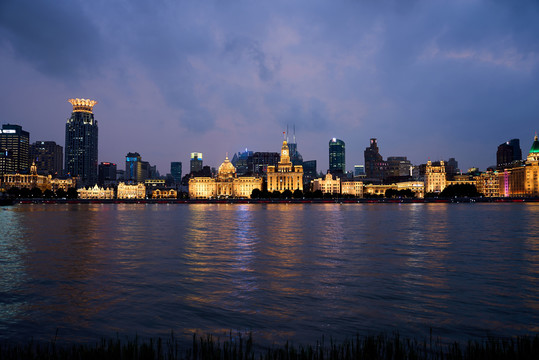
<point>40,165</point>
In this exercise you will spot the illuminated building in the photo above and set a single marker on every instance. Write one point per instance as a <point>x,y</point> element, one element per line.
<point>285,176</point>
<point>354,188</point>
<point>64,184</point>
<point>48,157</point>
<point>337,158</point>
<point>136,170</point>
<point>379,190</point>
<point>128,191</point>
<point>196,162</point>
<point>27,181</point>
<point>375,166</point>
<point>96,192</point>
<point>107,174</point>
<point>328,185</point>
<point>81,142</point>
<point>488,184</point>
<point>435,177</point>
<point>417,187</point>
<point>226,184</point>
<point>164,194</point>
<point>14,150</point>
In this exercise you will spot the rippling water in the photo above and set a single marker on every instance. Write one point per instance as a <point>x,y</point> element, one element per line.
<point>281,271</point>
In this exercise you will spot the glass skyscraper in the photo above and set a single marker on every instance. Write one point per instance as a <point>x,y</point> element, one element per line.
<point>81,142</point>
<point>14,148</point>
<point>337,161</point>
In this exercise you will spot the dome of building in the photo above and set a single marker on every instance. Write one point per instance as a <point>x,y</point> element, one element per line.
<point>226,169</point>
<point>535,146</point>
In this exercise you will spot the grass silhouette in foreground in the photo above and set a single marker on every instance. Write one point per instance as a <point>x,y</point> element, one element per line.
<point>242,347</point>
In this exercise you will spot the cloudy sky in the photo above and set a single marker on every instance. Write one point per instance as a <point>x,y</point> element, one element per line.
<point>429,79</point>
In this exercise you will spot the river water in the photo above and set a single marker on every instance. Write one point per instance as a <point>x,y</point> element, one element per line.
<point>81,272</point>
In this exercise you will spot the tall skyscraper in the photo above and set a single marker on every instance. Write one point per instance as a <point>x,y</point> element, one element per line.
<point>337,161</point>
<point>375,166</point>
<point>81,142</point>
<point>176,171</point>
<point>14,149</point>
<point>48,157</point>
<point>196,162</point>
<point>133,167</point>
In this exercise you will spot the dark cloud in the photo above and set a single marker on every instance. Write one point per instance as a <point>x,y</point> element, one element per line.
<point>427,78</point>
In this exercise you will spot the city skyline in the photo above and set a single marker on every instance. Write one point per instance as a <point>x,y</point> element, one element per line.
<point>428,80</point>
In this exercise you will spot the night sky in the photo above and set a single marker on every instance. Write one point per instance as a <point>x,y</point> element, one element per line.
<point>429,79</point>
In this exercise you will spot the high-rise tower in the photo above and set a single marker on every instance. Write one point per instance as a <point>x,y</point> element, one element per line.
<point>337,160</point>
<point>14,147</point>
<point>81,142</point>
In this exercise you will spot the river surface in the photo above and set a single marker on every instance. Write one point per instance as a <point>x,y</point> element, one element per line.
<point>80,272</point>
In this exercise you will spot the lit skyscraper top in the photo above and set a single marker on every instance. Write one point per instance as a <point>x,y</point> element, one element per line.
<point>81,142</point>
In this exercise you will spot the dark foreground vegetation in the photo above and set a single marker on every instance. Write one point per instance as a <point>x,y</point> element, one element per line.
<point>240,347</point>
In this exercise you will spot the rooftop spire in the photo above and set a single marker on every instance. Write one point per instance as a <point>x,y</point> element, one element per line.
<point>82,105</point>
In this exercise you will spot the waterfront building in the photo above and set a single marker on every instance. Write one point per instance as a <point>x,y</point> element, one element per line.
<point>196,162</point>
<point>106,174</point>
<point>337,157</point>
<point>328,184</point>
<point>353,188</point>
<point>509,154</point>
<point>417,187</point>
<point>285,176</point>
<point>63,183</point>
<point>226,184</point>
<point>26,181</point>
<point>435,177</point>
<point>81,142</point>
<point>131,191</point>
<point>95,192</point>
<point>164,194</point>
<point>176,171</point>
<point>378,189</point>
<point>14,150</point>
<point>48,157</point>
<point>487,183</point>
<point>375,166</point>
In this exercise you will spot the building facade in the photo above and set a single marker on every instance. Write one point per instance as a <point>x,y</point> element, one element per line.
<point>375,166</point>
<point>195,164</point>
<point>128,191</point>
<point>285,176</point>
<point>107,174</point>
<point>14,150</point>
<point>27,181</point>
<point>48,157</point>
<point>337,157</point>
<point>328,185</point>
<point>81,142</point>
<point>95,192</point>
<point>176,171</point>
<point>225,185</point>
<point>435,177</point>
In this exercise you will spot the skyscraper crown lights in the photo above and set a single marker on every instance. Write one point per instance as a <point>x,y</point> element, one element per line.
<point>82,105</point>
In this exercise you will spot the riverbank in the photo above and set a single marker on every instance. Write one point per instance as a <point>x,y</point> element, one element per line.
<point>271,201</point>
<point>240,347</point>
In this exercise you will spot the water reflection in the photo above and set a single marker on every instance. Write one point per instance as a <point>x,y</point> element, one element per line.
<point>282,271</point>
